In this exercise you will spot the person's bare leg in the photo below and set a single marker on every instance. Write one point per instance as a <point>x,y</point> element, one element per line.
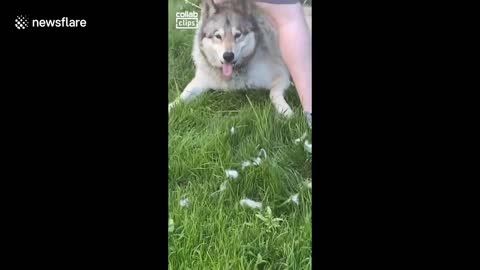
<point>291,24</point>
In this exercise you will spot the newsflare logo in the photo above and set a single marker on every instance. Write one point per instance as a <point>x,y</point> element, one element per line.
<point>22,22</point>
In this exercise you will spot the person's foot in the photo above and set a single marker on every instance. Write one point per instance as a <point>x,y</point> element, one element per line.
<point>308,116</point>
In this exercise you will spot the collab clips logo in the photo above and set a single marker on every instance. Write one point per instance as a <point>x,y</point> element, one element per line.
<point>186,20</point>
<point>22,22</point>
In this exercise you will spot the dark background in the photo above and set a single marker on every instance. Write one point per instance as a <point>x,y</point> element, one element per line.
<point>84,135</point>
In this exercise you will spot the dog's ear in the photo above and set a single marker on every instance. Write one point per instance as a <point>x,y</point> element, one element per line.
<point>209,8</point>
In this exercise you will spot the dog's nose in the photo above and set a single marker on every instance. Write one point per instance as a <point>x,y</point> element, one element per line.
<point>228,56</point>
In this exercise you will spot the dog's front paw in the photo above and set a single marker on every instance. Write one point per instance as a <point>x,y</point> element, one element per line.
<point>287,113</point>
<point>172,105</point>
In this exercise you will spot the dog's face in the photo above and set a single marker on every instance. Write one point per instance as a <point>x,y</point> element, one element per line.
<point>228,36</point>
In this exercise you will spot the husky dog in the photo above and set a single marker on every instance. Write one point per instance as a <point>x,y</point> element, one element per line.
<point>236,47</point>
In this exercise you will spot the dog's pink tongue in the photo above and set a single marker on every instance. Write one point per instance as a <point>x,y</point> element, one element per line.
<point>227,69</point>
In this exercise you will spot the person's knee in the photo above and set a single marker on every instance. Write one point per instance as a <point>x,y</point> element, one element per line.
<point>281,15</point>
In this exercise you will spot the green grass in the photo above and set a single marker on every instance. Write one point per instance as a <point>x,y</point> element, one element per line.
<point>215,231</point>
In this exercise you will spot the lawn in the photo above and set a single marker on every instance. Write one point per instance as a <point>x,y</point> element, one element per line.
<point>214,231</point>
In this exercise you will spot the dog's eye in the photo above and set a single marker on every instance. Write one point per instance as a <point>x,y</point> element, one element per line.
<point>237,35</point>
<point>218,36</point>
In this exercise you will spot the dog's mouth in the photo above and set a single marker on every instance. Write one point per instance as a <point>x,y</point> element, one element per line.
<point>227,68</point>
